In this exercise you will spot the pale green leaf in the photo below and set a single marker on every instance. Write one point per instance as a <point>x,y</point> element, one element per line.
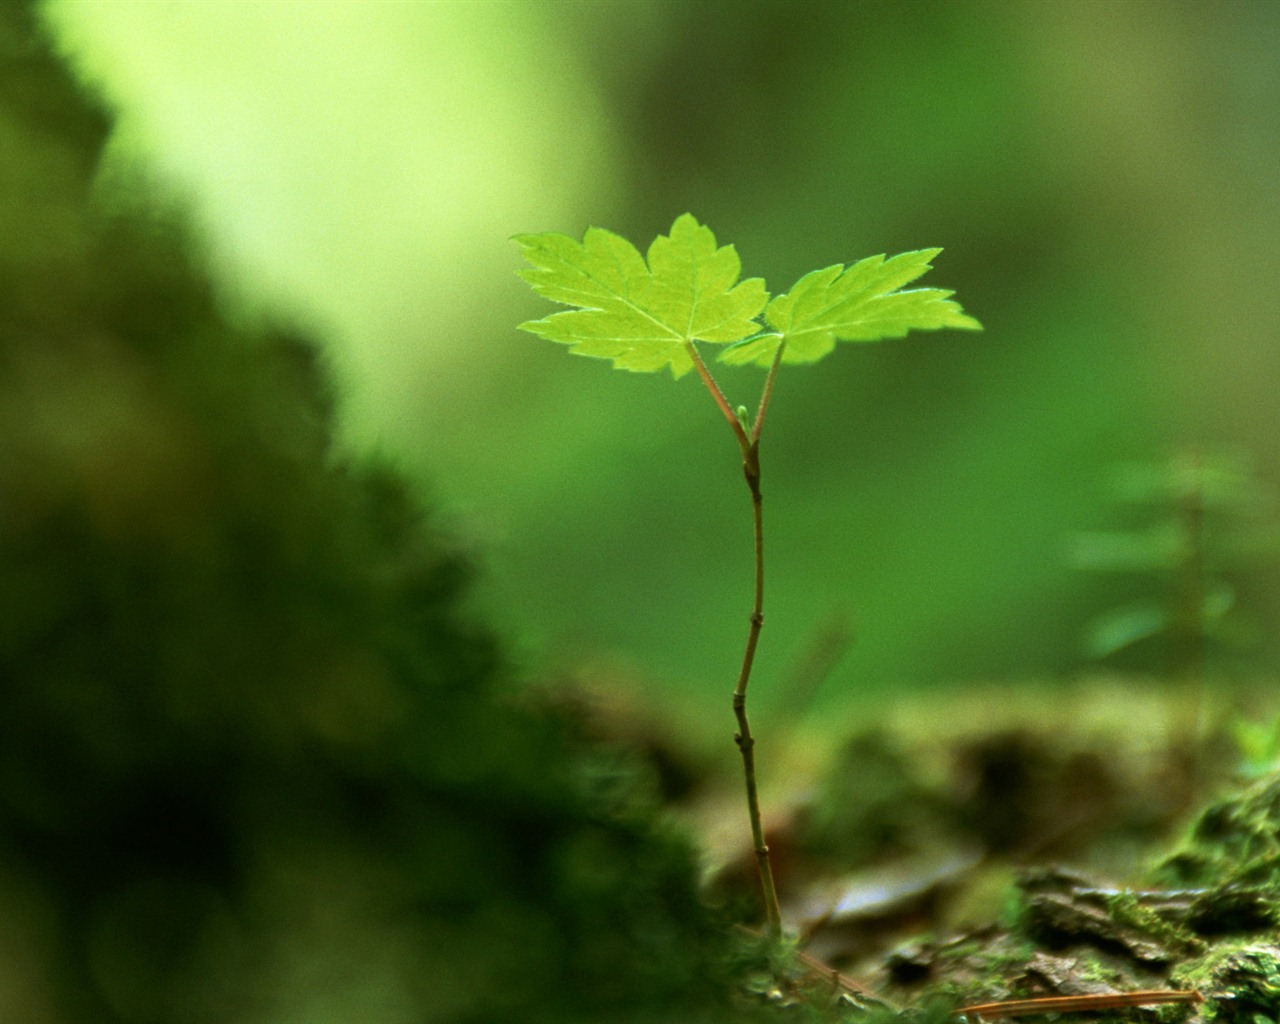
<point>1221,480</point>
<point>1124,627</point>
<point>639,314</point>
<point>1159,548</point>
<point>862,302</point>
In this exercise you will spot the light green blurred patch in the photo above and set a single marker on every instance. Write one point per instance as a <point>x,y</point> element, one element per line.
<point>359,166</point>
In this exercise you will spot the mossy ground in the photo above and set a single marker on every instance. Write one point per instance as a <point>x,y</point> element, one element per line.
<point>984,870</point>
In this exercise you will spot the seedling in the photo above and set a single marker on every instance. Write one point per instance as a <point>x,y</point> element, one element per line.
<point>1212,518</point>
<point>650,315</point>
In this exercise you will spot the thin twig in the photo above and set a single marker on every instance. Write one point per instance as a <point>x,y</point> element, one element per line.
<point>1078,1004</point>
<point>822,652</point>
<point>843,981</point>
<point>839,979</point>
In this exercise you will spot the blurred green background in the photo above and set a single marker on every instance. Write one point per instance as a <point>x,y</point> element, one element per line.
<point>1101,175</point>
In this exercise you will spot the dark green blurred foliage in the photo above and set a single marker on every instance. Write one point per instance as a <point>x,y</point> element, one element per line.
<point>874,806</point>
<point>1201,537</point>
<point>255,763</point>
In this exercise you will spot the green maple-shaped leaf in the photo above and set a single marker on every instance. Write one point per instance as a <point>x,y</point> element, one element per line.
<point>642,315</point>
<point>860,303</point>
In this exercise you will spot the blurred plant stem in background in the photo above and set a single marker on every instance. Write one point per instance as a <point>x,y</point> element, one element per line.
<point>1202,527</point>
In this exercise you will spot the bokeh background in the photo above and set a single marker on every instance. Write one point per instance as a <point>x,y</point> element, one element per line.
<point>1101,176</point>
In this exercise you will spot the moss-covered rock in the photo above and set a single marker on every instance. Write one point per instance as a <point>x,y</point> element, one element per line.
<point>1202,924</point>
<point>1234,842</point>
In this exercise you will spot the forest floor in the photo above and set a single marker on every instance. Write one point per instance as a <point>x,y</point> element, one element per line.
<point>996,844</point>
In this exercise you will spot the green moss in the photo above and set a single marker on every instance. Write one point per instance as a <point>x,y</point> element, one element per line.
<point>1235,841</point>
<point>1240,982</point>
<point>1128,911</point>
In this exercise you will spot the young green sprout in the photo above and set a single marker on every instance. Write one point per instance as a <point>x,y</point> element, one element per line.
<point>654,313</point>
<point>1210,518</point>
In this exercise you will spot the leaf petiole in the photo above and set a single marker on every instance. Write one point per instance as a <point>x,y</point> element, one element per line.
<point>767,393</point>
<point>730,414</point>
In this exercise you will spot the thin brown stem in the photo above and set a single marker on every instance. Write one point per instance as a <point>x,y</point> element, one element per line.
<point>844,982</point>
<point>1079,1004</point>
<point>744,739</point>
<point>718,395</point>
<point>750,447</point>
<point>767,393</point>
